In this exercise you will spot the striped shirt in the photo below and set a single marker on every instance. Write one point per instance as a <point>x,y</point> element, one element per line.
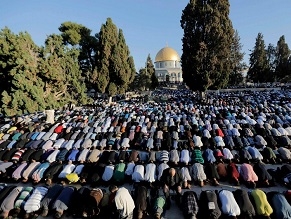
<point>197,156</point>
<point>164,156</point>
<point>33,203</point>
<point>17,155</point>
<point>23,196</point>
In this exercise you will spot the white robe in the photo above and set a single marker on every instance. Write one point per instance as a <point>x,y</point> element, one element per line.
<point>129,169</point>
<point>124,202</point>
<point>197,172</point>
<point>138,173</point>
<point>229,206</point>
<point>150,174</point>
<point>108,173</point>
<point>185,174</point>
<point>67,170</point>
<point>185,156</point>
<point>33,203</point>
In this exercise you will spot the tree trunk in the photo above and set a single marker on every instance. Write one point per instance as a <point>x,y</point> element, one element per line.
<point>50,116</point>
<point>110,100</point>
<point>202,95</point>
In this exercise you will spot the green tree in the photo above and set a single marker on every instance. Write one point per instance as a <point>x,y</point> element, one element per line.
<point>271,58</point>
<point>21,87</point>
<point>112,89</point>
<point>207,40</point>
<point>258,61</point>
<point>145,78</point>
<point>80,38</point>
<point>237,64</point>
<point>288,78</point>
<point>150,66</point>
<point>61,73</point>
<point>150,70</point>
<point>142,80</point>
<point>72,33</point>
<point>132,67</point>
<point>107,38</point>
<point>282,58</point>
<point>114,63</point>
<point>135,82</point>
<point>154,81</point>
<point>121,73</point>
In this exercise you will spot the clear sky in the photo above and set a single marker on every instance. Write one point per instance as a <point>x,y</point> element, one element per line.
<point>148,25</point>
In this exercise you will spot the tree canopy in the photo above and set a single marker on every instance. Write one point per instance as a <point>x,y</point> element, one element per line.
<point>80,37</point>
<point>270,64</point>
<point>114,63</point>
<point>146,78</point>
<point>237,63</point>
<point>282,59</point>
<point>61,73</point>
<point>34,78</point>
<point>206,44</point>
<point>21,90</point>
<point>258,61</point>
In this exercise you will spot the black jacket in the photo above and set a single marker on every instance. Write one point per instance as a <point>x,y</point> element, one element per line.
<point>244,202</point>
<point>166,178</point>
<point>208,206</point>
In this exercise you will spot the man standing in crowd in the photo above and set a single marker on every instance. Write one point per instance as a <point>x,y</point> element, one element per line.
<point>171,180</point>
<point>123,201</point>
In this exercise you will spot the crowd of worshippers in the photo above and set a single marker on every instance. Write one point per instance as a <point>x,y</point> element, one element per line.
<point>142,202</point>
<point>230,137</point>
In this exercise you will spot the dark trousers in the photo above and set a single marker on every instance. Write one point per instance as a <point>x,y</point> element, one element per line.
<point>130,216</point>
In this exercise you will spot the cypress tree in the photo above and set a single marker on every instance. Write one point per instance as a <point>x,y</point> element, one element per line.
<point>237,56</point>
<point>112,89</point>
<point>271,57</point>
<point>132,69</point>
<point>208,35</point>
<point>121,74</point>
<point>144,79</point>
<point>150,66</point>
<point>258,61</point>
<point>107,38</point>
<point>151,72</point>
<point>21,87</point>
<point>115,65</point>
<point>282,58</point>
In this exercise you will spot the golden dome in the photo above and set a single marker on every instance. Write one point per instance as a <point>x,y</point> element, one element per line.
<point>167,54</point>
